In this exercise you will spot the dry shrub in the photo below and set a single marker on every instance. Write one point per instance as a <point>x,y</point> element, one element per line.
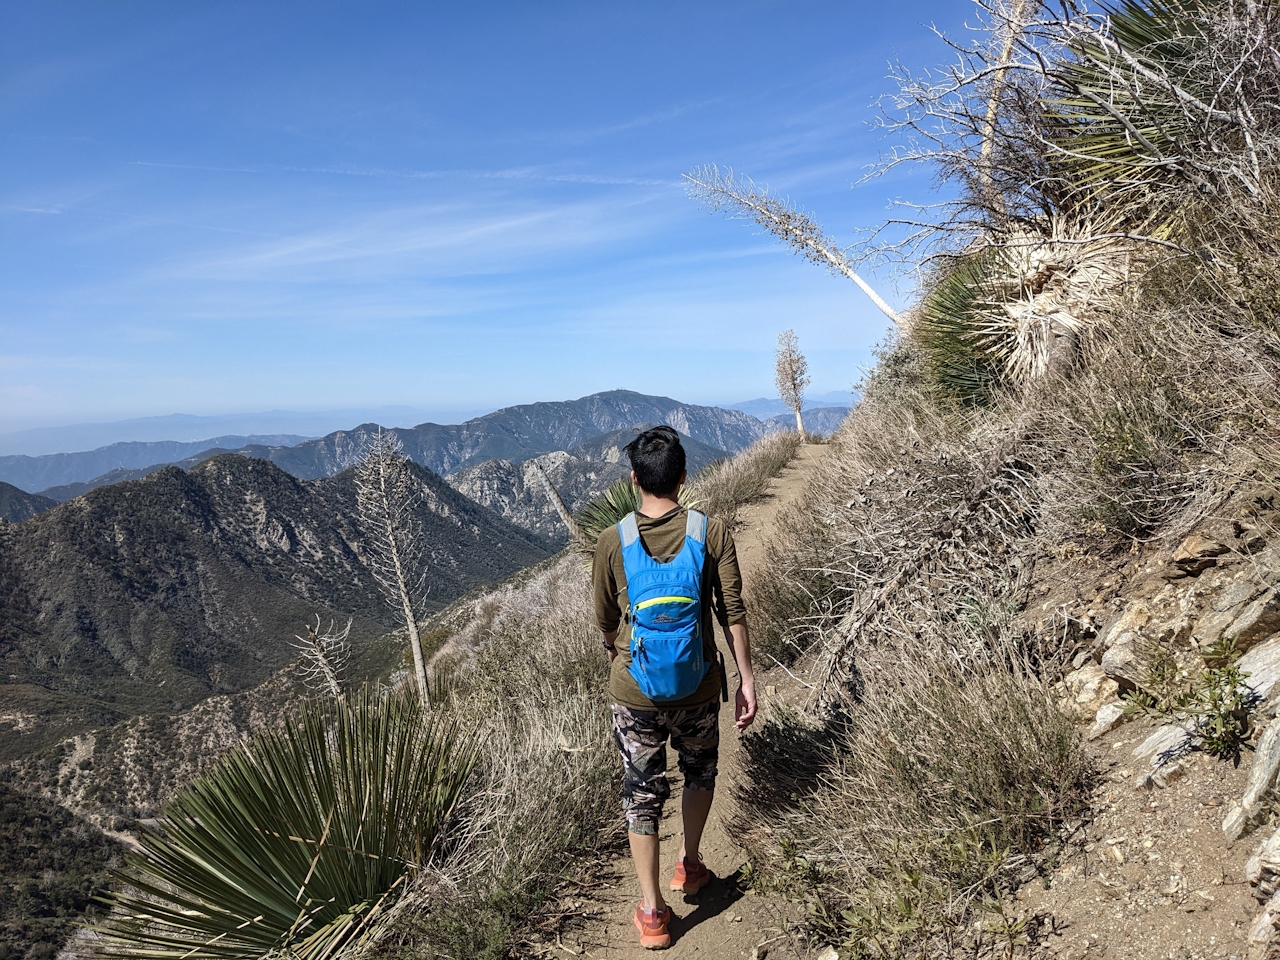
<point>912,488</point>
<point>527,672</point>
<point>724,486</point>
<point>1170,407</point>
<point>900,583</point>
<point>912,803</point>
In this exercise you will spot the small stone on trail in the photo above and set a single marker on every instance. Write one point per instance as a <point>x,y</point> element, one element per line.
<point>1110,715</point>
<point>828,954</point>
<point>759,953</point>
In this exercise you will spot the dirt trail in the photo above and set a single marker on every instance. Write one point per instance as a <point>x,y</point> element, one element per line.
<point>720,921</point>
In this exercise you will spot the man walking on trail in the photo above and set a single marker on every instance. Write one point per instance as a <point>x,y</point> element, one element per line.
<point>666,678</point>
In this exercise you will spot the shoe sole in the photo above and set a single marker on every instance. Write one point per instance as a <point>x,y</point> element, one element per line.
<point>652,943</point>
<point>689,889</point>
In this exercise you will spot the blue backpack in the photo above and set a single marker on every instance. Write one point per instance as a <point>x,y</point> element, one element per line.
<point>666,611</point>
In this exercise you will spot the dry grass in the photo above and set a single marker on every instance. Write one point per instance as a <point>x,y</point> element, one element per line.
<point>934,763</point>
<point>526,671</point>
<point>911,805</point>
<point>721,488</point>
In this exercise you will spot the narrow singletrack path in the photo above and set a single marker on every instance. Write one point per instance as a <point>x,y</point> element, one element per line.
<point>720,921</point>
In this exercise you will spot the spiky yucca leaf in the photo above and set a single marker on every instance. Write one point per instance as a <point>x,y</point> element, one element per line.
<point>296,843</point>
<point>946,327</point>
<point>615,503</point>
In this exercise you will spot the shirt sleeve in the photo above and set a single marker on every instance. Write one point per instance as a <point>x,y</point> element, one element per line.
<point>729,606</point>
<point>604,587</point>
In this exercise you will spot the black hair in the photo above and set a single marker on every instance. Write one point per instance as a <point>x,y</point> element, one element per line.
<point>658,460</point>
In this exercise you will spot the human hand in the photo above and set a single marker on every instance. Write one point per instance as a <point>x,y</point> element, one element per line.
<point>613,653</point>
<point>744,706</point>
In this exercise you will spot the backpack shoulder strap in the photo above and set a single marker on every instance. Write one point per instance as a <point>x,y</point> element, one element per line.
<point>628,530</point>
<point>696,526</point>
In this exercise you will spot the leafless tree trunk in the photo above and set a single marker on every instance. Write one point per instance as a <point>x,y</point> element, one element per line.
<point>324,657</point>
<point>791,374</point>
<point>388,494</point>
<point>793,227</point>
<point>554,496</point>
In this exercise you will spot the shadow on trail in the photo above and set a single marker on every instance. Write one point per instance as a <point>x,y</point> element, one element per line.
<point>711,901</point>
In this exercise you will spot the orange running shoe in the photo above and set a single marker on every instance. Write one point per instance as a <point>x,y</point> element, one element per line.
<point>652,925</point>
<point>690,877</point>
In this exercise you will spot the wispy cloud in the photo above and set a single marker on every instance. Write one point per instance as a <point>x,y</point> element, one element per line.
<point>514,173</point>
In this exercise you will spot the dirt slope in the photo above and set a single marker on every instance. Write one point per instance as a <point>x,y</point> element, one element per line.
<point>721,921</point>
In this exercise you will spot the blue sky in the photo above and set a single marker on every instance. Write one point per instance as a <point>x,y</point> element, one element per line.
<point>212,208</point>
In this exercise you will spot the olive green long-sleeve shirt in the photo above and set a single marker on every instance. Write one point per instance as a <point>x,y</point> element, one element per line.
<point>663,538</point>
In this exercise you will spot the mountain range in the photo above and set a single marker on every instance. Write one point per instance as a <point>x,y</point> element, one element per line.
<point>151,595</point>
<point>513,434</point>
<point>57,469</point>
<point>579,475</point>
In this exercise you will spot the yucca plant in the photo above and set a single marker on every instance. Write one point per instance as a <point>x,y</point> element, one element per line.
<point>946,326</point>
<point>615,503</point>
<point>296,843</point>
<point>1161,100</point>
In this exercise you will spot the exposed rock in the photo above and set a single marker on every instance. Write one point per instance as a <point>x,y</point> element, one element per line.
<point>1262,664</point>
<point>1262,933</point>
<point>1110,716</point>
<point>1262,870</point>
<point>1226,607</point>
<point>1124,663</point>
<point>1166,744</point>
<point>1087,689</point>
<point>1262,775</point>
<point>1198,553</point>
<point>1127,626</point>
<point>1260,620</point>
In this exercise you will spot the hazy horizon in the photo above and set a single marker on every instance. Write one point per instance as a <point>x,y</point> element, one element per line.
<point>79,437</point>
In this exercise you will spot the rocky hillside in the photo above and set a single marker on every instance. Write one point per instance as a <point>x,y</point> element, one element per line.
<point>519,433</point>
<point>155,594</point>
<point>18,505</point>
<point>579,476</point>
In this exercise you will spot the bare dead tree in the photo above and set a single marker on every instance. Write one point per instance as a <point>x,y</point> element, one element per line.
<point>388,496</point>
<point>1160,124</point>
<point>744,200</point>
<point>791,374</point>
<point>575,533</point>
<point>324,657</point>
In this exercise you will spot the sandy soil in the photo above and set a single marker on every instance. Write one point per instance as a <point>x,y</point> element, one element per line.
<point>1151,875</point>
<point>722,920</point>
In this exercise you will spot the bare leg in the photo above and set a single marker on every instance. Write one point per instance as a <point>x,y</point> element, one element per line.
<point>695,806</point>
<point>644,850</point>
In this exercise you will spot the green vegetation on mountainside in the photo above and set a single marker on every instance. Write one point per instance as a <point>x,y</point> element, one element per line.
<point>52,867</point>
<point>151,595</point>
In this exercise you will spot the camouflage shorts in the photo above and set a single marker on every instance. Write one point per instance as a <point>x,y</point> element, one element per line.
<point>641,736</point>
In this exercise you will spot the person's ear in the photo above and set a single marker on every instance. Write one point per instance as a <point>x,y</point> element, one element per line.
<point>684,475</point>
<point>633,478</point>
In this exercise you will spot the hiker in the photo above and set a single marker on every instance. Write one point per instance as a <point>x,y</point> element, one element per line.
<point>666,676</point>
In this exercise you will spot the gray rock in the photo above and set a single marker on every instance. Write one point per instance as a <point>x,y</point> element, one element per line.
<point>1262,664</point>
<point>1235,595</point>
<point>1110,716</point>
<point>1262,775</point>
<point>1124,663</point>
<point>1263,931</point>
<point>1166,744</point>
<point>1258,621</point>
